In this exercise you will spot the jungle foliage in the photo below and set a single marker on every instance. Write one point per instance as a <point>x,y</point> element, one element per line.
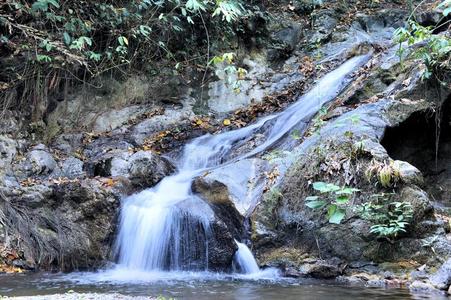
<point>47,43</point>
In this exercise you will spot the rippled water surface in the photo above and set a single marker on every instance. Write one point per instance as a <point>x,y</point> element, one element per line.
<point>186,285</point>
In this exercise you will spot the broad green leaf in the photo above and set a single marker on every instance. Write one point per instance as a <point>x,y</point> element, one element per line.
<point>316,204</point>
<point>331,210</point>
<point>337,216</point>
<point>67,38</point>
<point>323,187</point>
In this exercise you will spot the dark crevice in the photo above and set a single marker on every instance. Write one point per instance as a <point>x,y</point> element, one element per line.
<point>415,141</point>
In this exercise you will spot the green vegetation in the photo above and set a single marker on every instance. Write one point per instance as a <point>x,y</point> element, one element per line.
<point>271,200</point>
<point>434,50</point>
<point>386,173</point>
<point>389,218</point>
<point>55,42</point>
<point>227,70</point>
<point>333,197</point>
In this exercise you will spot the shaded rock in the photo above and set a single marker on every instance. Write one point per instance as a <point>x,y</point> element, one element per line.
<point>419,201</point>
<point>242,191</point>
<point>217,196</point>
<point>65,227</point>
<point>305,7</point>
<point>442,278</point>
<point>170,119</point>
<point>208,235</point>
<point>115,118</point>
<point>408,173</point>
<point>322,269</point>
<point>72,168</point>
<point>324,26</point>
<point>289,36</point>
<point>147,168</point>
<point>7,152</point>
<point>42,162</point>
<point>68,142</point>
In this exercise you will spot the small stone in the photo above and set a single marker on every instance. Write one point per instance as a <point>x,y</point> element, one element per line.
<point>42,162</point>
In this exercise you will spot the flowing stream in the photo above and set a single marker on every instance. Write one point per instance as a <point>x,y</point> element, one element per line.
<point>157,232</point>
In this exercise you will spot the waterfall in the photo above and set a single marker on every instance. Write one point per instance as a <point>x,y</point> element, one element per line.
<point>245,260</point>
<point>166,227</point>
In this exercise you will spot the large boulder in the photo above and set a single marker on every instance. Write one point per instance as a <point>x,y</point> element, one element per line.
<point>63,226</point>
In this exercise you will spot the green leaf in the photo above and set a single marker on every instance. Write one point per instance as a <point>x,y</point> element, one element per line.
<point>342,199</point>
<point>316,204</point>
<point>53,3</point>
<point>67,38</point>
<point>323,187</point>
<point>331,210</point>
<point>122,40</point>
<point>337,216</point>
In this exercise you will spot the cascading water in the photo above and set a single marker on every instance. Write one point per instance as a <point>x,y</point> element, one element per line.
<point>158,231</point>
<point>245,260</point>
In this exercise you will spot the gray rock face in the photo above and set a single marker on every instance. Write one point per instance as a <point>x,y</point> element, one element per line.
<point>115,118</point>
<point>7,152</point>
<point>442,278</point>
<point>322,269</point>
<point>217,196</point>
<point>63,226</point>
<point>244,193</point>
<point>289,36</point>
<point>72,168</point>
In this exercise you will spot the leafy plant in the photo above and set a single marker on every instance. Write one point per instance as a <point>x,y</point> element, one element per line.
<point>80,40</point>
<point>435,49</point>
<point>389,218</point>
<point>226,70</point>
<point>318,122</point>
<point>385,172</point>
<point>334,198</point>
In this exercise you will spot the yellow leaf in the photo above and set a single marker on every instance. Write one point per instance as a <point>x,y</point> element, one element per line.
<point>109,182</point>
<point>199,122</point>
<point>226,122</point>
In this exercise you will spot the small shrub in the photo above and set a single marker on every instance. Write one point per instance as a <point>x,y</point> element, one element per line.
<point>389,218</point>
<point>333,197</point>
